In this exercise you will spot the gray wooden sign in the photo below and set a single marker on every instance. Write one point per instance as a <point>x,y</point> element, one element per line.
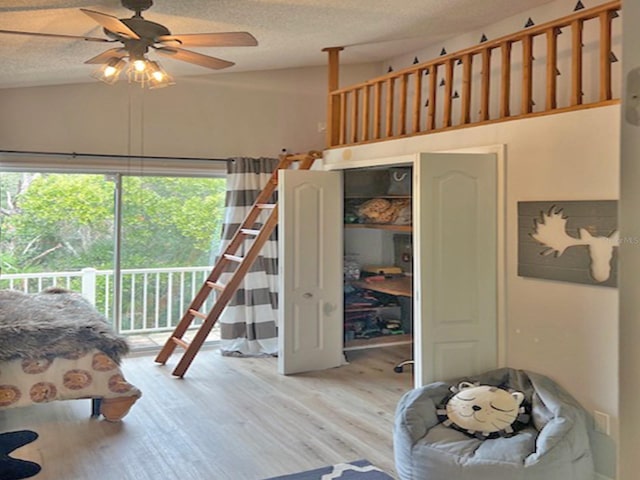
<point>570,241</point>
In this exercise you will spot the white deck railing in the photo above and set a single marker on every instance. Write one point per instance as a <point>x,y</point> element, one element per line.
<point>152,299</point>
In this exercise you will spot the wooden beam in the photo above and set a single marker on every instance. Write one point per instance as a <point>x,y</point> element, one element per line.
<point>448,93</point>
<point>342,122</point>
<point>403,104</point>
<point>465,106</point>
<point>576,62</point>
<point>486,84</point>
<point>333,108</point>
<point>527,74</point>
<point>366,100</point>
<point>505,83</point>
<point>354,116</point>
<point>605,56</point>
<point>377,110</point>
<point>417,100</point>
<point>389,107</point>
<point>433,93</point>
<point>552,68</point>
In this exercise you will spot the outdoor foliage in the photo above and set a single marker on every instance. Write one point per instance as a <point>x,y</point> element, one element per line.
<point>64,222</point>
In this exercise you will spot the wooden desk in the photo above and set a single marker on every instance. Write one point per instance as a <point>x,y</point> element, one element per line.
<point>398,286</point>
<point>401,286</point>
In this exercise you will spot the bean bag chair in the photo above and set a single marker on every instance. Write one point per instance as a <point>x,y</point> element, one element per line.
<point>549,442</point>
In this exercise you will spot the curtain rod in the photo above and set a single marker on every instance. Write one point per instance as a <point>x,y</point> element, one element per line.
<point>104,155</point>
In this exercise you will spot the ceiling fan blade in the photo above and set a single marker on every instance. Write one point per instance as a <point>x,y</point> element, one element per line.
<point>193,57</point>
<point>107,55</point>
<point>111,23</point>
<point>225,39</point>
<point>55,35</point>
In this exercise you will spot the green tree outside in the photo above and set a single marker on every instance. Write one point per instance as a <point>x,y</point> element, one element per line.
<point>65,222</point>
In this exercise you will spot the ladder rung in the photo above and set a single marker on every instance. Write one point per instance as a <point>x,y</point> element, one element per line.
<point>179,341</point>
<point>261,234</point>
<point>196,313</point>
<point>216,285</point>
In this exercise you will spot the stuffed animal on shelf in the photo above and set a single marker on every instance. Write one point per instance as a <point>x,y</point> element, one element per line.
<point>384,211</point>
<point>484,411</point>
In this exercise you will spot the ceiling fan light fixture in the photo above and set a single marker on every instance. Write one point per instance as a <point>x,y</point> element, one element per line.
<point>158,77</point>
<point>110,72</point>
<point>140,65</point>
<point>137,72</point>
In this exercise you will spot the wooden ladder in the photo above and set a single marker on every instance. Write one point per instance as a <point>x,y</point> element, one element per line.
<point>225,291</point>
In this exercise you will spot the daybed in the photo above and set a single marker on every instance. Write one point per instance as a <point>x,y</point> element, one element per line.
<point>54,345</point>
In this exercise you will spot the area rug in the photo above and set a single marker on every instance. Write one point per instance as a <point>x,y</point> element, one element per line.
<point>14,468</point>
<point>358,470</point>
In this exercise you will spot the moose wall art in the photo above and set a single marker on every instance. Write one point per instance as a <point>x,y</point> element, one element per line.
<point>570,241</point>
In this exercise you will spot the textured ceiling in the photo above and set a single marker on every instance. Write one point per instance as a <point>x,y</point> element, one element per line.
<point>291,33</point>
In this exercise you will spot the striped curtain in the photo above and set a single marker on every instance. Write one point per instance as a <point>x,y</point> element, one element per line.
<point>248,326</point>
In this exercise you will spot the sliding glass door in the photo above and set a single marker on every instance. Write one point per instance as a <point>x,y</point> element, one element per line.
<point>137,246</point>
<point>170,230</point>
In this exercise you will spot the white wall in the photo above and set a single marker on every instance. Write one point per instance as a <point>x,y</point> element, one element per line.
<point>223,115</point>
<point>629,275</point>
<point>564,330</point>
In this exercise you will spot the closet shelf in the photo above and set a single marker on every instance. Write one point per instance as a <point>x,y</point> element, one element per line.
<point>380,226</point>
<point>383,340</point>
<point>370,196</point>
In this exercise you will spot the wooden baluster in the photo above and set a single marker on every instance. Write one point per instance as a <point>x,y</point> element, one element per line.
<point>527,74</point>
<point>505,84</point>
<point>403,105</point>
<point>333,108</point>
<point>486,84</point>
<point>433,92</point>
<point>343,118</point>
<point>552,68</point>
<point>465,106</point>
<point>448,93</point>
<point>605,52</point>
<point>377,114</point>
<point>576,62</point>
<point>417,100</point>
<point>333,120</point>
<point>354,115</point>
<point>389,108</point>
<point>365,112</point>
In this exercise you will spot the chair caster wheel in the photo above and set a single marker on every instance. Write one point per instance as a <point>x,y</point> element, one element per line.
<point>397,369</point>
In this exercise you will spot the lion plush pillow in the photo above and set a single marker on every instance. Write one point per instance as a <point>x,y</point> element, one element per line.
<point>484,411</point>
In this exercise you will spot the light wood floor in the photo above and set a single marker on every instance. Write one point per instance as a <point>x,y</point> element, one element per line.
<point>228,419</point>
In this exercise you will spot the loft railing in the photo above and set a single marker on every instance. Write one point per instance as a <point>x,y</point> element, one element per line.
<point>411,101</point>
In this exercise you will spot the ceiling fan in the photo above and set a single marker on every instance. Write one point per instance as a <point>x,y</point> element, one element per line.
<point>137,35</point>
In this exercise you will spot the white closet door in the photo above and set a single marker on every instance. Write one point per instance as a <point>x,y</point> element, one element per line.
<point>310,263</point>
<point>455,284</point>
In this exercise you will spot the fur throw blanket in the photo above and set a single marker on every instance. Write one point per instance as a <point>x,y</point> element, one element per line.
<point>53,323</point>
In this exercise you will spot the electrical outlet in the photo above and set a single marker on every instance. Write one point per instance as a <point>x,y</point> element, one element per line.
<point>601,422</point>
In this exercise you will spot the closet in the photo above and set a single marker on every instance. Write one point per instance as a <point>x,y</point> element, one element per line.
<point>378,256</point>
<point>450,248</point>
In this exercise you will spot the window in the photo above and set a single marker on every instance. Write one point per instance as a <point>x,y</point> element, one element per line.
<point>138,246</point>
